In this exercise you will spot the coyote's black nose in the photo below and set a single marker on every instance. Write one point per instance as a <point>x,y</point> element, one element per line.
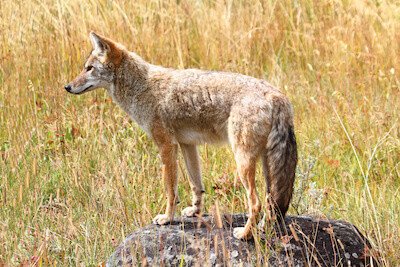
<point>68,88</point>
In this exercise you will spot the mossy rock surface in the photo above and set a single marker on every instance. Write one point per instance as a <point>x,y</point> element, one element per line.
<point>302,241</point>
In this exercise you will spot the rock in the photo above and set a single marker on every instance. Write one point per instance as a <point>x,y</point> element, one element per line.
<point>302,241</point>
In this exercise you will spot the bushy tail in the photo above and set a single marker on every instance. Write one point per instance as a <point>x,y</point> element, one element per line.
<point>280,159</point>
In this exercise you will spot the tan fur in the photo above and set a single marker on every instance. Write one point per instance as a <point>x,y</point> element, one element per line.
<point>192,107</point>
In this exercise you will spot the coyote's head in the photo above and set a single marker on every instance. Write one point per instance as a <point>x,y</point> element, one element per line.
<point>99,69</point>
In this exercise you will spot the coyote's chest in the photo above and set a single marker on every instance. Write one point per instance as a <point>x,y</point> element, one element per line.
<point>142,114</point>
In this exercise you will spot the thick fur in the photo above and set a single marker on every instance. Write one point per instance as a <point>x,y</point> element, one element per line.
<point>192,107</point>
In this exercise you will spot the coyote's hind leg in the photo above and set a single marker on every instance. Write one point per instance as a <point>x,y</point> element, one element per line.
<point>246,171</point>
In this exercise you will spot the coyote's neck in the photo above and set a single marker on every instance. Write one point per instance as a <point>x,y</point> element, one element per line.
<point>130,79</point>
<point>130,89</point>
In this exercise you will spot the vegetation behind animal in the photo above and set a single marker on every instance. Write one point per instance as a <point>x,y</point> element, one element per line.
<point>71,170</point>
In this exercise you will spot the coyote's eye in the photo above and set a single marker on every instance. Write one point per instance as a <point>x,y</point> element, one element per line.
<point>89,68</point>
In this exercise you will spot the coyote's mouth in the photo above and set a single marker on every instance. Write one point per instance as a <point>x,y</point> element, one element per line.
<point>88,87</point>
<point>84,90</point>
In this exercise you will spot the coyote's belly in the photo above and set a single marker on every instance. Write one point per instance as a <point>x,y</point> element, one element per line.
<point>195,136</point>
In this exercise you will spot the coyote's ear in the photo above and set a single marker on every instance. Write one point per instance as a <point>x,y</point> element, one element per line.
<point>99,43</point>
<point>107,49</point>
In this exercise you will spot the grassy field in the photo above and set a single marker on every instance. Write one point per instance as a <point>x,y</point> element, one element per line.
<point>77,175</point>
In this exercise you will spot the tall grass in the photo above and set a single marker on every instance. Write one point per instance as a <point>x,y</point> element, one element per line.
<point>77,175</point>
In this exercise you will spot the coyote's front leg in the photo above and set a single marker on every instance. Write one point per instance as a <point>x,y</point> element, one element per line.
<point>168,151</point>
<point>191,157</point>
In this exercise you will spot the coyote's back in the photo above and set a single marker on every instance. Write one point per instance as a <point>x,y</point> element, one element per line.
<point>192,107</point>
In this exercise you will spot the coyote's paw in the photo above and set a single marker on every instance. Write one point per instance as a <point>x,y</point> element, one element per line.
<point>190,211</point>
<point>240,233</point>
<point>162,219</point>
<point>261,225</point>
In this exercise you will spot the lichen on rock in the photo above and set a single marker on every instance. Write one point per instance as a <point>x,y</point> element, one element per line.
<point>302,241</point>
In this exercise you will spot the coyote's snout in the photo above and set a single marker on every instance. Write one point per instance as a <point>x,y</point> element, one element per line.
<point>192,107</point>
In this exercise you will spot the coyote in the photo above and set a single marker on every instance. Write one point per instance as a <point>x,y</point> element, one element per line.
<point>191,107</point>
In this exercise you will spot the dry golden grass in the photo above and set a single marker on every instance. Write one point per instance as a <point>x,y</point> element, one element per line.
<point>77,175</point>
